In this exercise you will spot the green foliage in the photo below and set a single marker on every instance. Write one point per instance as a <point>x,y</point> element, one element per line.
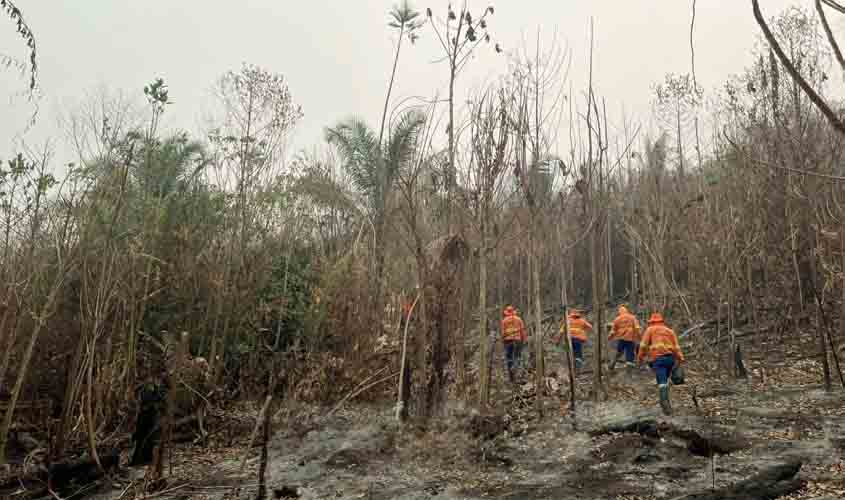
<point>404,19</point>
<point>289,294</point>
<point>157,92</point>
<point>373,169</point>
<point>358,146</point>
<point>170,167</point>
<point>22,174</point>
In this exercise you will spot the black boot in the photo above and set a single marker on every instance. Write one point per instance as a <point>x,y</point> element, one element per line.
<point>664,400</point>
<point>614,361</point>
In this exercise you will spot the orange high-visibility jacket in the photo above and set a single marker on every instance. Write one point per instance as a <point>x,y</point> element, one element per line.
<point>513,329</point>
<point>625,327</point>
<point>578,328</point>
<point>659,340</point>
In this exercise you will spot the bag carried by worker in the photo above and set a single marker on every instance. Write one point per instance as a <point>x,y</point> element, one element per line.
<point>677,375</point>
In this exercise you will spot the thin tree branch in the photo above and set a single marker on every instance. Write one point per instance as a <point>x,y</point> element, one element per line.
<point>439,37</point>
<point>763,163</point>
<point>835,6</point>
<point>830,38</point>
<point>692,46</point>
<point>793,72</point>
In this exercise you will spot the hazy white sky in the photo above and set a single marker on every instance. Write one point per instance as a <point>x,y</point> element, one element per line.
<point>336,54</point>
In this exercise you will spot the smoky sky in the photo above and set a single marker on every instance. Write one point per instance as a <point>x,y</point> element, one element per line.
<point>336,55</point>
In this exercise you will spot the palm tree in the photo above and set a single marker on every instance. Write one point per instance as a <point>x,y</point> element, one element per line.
<point>171,167</point>
<point>404,20</point>
<point>374,168</point>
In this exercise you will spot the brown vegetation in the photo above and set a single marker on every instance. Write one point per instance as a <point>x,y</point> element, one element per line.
<point>288,276</point>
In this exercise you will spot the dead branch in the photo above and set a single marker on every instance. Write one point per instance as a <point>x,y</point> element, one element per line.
<point>819,102</point>
<point>837,52</point>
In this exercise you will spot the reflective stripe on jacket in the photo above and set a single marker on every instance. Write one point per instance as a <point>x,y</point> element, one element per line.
<point>513,329</point>
<point>626,327</point>
<point>578,328</point>
<point>659,340</point>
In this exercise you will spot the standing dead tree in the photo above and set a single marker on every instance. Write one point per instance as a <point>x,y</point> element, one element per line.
<point>257,112</point>
<point>537,84</point>
<point>403,19</point>
<point>414,194</point>
<point>593,178</point>
<point>459,35</point>
<point>447,256</point>
<point>176,354</point>
<point>798,46</point>
<point>43,287</point>
<point>832,117</point>
<point>490,132</point>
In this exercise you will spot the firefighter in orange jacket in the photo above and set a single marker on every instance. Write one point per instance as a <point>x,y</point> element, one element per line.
<point>660,345</point>
<point>406,313</point>
<point>578,330</point>
<point>626,333</point>
<point>513,336</point>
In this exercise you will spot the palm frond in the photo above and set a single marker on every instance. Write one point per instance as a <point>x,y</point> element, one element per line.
<point>403,141</point>
<point>372,169</point>
<point>171,165</point>
<point>357,145</point>
<point>324,191</point>
<point>403,14</point>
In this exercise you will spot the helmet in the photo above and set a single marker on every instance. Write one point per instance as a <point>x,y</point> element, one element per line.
<point>655,318</point>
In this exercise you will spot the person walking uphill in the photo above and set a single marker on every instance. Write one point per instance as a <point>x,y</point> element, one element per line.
<point>513,336</point>
<point>579,328</point>
<point>661,346</point>
<point>626,332</point>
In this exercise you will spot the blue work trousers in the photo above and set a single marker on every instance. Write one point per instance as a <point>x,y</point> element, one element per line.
<point>513,353</point>
<point>662,367</point>
<point>578,352</point>
<point>627,347</point>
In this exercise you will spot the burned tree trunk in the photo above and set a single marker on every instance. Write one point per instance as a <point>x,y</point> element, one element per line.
<point>741,372</point>
<point>448,256</point>
<point>772,482</point>
<point>262,467</point>
<point>147,429</point>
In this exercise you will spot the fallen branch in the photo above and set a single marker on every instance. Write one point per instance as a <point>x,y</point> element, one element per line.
<point>362,383</point>
<point>359,391</point>
<point>260,420</point>
<point>702,443</point>
<point>738,335</point>
<point>772,482</point>
<point>82,471</point>
<point>697,327</point>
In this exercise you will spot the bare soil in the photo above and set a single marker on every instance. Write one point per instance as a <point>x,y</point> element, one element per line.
<point>772,418</point>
